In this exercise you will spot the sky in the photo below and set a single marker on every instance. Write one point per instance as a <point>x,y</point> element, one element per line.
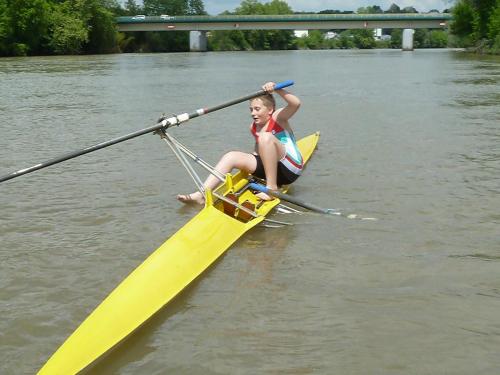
<point>214,7</point>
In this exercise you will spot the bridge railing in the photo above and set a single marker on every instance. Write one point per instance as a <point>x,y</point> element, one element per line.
<point>200,25</point>
<point>287,18</point>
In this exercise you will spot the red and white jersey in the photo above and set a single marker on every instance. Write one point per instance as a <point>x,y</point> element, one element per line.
<point>293,159</point>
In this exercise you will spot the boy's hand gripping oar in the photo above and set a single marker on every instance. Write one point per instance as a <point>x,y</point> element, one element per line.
<point>164,124</point>
<point>301,203</point>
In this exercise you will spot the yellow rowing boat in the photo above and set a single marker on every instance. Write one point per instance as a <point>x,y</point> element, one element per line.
<point>168,270</point>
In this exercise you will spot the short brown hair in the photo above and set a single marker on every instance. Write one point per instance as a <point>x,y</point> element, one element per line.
<point>267,100</point>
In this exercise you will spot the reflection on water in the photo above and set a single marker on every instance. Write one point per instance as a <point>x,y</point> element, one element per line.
<point>266,249</point>
<point>409,138</point>
<point>484,257</point>
<point>481,160</point>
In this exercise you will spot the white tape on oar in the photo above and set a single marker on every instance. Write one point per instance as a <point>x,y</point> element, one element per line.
<point>170,121</point>
<point>183,117</point>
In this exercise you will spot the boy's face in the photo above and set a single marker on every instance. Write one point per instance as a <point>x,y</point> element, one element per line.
<point>259,112</point>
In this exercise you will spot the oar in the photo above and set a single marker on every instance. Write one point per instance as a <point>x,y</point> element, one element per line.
<point>289,198</point>
<point>165,123</point>
<point>301,203</point>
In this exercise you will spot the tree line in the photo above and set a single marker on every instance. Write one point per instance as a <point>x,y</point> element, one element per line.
<point>44,27</point>
<point>476,24</point>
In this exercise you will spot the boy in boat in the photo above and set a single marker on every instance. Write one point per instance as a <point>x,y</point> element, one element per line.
<point>276,159</point>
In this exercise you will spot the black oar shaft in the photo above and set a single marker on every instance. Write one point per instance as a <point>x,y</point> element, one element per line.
<point>225,105</point>
<point>200,112</point>
<point>289,198</point>
<point>176,120</point>
<point>74,154</point>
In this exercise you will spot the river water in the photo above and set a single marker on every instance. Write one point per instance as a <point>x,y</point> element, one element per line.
<point>411,139</point>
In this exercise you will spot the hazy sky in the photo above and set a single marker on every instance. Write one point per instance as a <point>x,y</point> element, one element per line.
<point>214,7</point>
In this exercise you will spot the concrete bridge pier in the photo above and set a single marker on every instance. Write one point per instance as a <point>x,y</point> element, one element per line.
<point>198,41</point>
<point>408,39</point>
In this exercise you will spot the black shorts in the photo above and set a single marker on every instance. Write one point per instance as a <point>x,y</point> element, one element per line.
<point>285,176</point>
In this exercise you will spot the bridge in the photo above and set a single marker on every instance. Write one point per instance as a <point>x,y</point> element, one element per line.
<point>199,25</point>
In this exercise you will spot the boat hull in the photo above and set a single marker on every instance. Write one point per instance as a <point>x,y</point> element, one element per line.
<point>163,275</point>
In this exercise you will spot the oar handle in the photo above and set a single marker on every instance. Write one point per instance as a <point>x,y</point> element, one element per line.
<point>283,84</point>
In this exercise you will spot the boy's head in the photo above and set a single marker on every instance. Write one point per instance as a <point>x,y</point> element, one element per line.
<point>267,100</point>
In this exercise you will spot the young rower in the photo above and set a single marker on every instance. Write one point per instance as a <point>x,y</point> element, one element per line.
<point>276,158</point>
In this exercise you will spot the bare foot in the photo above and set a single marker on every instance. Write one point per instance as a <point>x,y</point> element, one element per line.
<point>264,197</point>
<point>196,197</point>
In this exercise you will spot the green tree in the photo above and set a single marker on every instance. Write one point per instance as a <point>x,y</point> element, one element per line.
<point>68,32</point>
<point>396,38</point>
<point>363,38</point>
<point>330,11</point>
<point>196,7</point>
<point>424,38</point>
<point>228,41</point>
<point>165,41</point>
<point>463,19</point>
<point>494,23</point>
<point>248,7</point>
<point>114,6</point>
<point>102,34</point>
<point>99,22</point>
<point>438,39</point>
<point>255,39</point>
<point>29,24</point>
<point>475,22</point>
<point>5,31</point>
<point>267,39</point>
<point>171,7</point>
<point>394,8</point>
<point>372,9</point>
<point>131,8</point>
<point>484,9</point>
<point>314,40</point>
<point>420,38</point>
<point>409,10</point>
<point>494,28</point>
<point>346,40</point>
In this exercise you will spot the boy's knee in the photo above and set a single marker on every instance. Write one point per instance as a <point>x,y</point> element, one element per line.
<point>231,155</point>
<point>266,138</point>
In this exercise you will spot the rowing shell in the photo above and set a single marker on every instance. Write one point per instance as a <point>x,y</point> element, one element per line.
<point>167,271</point>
